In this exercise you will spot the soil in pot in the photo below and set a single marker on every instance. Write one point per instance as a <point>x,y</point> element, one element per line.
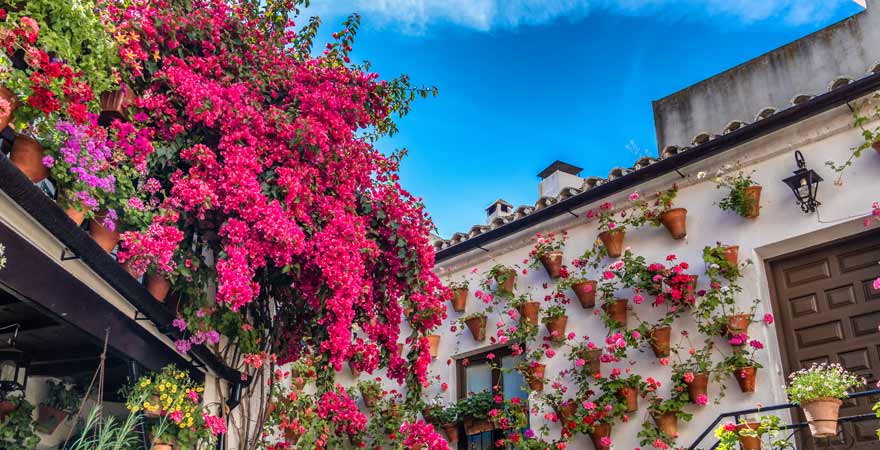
<point>616,310</point>
<point>600,431</point>
<point>477,325</point>
<point>552,262</point>
<point>675,220</point>
<point>586,293</point>
<point>433,344</point>
<point>451,430</point>
<point>822,414</point>
<point>48,419</point>
<point>535,376</point>
<point>509,282</point>
<point>556,328</point>
<point>699,386</point>
<point>529,311</point>
<point>27,154</point>
<point>631,395</point>
<point>667,422</point>
<point>459,299</point>
<point>613,242</point>
<point>660,337</point>
<point>158,286</point>
<point>745,376</point>
<point>731,254</point>
<point>753,199</point>
<point>103,236</point>
<point>749,442</point>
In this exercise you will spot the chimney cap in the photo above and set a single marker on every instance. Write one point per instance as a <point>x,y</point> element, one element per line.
<point>500,201</point>
<point>560,166</point>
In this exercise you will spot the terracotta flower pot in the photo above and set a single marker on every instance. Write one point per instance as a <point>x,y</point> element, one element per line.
<point>76,215</point>
<point>631,395</point>
<point>748,442</point>
<point>354,372</point>
<point>48,418</point>
<point>370,399</point>
<point>270,408</point>
<point>27,154</point>
<point>745,376</point>
<point>162,446</point>
<point>753,198</point>
<point>477,325</point>
<point>616,310</point>
<point>552,263</point>
<point>660,337</point>
<point>433,344</point>
<point>613,242</point>
<point>6,407</point>
<point>535,376</point>
<point>102,236</point>
<point>566,411</point>
<point>738,324</point>
<point>10,97</point>
<point>698,387</point>
<point>158,286</point>
<point>675,220</point>
<point>876,146</point>
<point>529,311</point>
<point>586,293</point>
<point>292,435</point>
<point>509,282</point>
<point>731,254</point>
<point>459,299</point>
<point>593,360</point>
<point>476,426</point>
<point>667,422</point>
<point>115,104</point>
<point>602,430</point>
<point>556,328</point>
<point>451,430</point>
<point>822,416</point>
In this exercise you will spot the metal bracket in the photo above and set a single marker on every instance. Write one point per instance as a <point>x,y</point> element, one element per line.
<point>138,316</point>
<point>68,255</point>
<point>573,214</point>
<point>483,249</point>
<point>197,364</point>
<point>679,173</point>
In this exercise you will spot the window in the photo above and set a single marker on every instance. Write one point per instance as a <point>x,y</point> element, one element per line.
<point>479,374</point>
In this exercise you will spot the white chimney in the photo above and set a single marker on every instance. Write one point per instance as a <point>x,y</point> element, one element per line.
<point>499,208</point>
<point>558,176</point>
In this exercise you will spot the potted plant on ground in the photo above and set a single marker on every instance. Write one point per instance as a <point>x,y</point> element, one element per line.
<point>371,392</point>
<point>820,390</point>
<point>476,323</point>
<point>749,434</point>
<point>743,365</point>
<point>474,412</point>
<point>459,294</point>
<point>61,401</point>
<point>743,196</point>
<point>16,426</point>
<point>548,252</point>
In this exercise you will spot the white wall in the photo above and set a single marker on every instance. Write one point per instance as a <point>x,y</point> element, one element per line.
<point>781,228</point>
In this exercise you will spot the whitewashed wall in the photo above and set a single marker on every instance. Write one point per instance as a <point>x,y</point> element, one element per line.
<point>781,229</point>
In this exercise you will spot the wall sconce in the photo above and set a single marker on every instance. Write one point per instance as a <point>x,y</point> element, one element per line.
<point>804,183</point>
<point>13,365</point>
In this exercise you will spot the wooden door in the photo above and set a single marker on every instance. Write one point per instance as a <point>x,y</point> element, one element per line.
<point>828,311</point>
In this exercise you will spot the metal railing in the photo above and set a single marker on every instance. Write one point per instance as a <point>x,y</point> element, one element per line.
<point>795,426</point>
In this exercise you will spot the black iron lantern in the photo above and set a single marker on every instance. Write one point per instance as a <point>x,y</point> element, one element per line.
<point>13,365</point>
<point>805,184</point>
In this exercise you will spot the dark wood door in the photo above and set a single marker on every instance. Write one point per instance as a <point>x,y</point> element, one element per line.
<point>828,311</point>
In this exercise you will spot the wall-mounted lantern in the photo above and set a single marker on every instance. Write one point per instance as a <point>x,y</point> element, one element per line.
<point>805,184</point>
<point>13,365</point>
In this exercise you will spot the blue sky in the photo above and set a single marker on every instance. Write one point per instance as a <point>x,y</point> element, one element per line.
<point>525,82</point>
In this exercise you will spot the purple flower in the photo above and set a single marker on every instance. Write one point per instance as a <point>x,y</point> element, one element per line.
<point>529,433</point>
<point>48,161</point>
<point>212,336</point>
<point>180,324</point>
<point>183,346</point>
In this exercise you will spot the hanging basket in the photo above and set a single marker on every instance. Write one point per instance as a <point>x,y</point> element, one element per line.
<point>613,242</point>
<point>675,220</point>
<point>552,262</point>
<point>822,416</point>
<point>586,293</point>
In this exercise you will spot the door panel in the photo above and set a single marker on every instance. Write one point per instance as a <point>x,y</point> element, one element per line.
<point>828,311</point>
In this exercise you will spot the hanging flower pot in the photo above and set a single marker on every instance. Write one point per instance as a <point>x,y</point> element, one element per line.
<point>748,442</point>
<point>48,418</point>
<point>292,434</point>
<point>552,262</point>
<point>731,254</point>
<point>506,281</point>
<point>154,410</point>
<point>675,220</point>
<point>433,344</point>
<point>12,101</point>
<point>270,408</point>
<point>660,337</point>
<point>616,310</point>
<point>586,293</point>
<point>115,104</point>
<point>876,146</point>
<point>752,197</point>
<point>667,422</point>
<point>451,430</point>
<point>474,426</point>
<point>738,324</point>
<point>158,286</point>
<point>566,411</point>
<point>477,325</point>
<point>6,407</point>
<point>592,360</point>
<point>598,435</point>
<point>370,398</point>
<point>459,299</point>
<point>631,396</point>
<point>822,416</point>
<point>535,376</point>
<point>354,372</point>
<point>27,154</point>
<point>78,216</point>
<point>103,236</point>
<point>556,328</point>
<point>529,311</point>
<point>613,242</point>
<point>698,387</point>
<point>745,376</point>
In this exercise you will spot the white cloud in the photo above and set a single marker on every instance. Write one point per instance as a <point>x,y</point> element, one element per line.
<point>416,16</point>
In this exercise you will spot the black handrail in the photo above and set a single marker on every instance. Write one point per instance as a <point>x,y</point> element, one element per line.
<point>736,415</point>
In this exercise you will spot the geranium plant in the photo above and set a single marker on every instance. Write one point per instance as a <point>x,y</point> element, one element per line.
<point>17,426</point>
<point>547,251</point>
<point>749,434</point>
<point>743,193</point>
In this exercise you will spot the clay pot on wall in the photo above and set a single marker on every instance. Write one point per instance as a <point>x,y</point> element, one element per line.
<point>876,146</point>
<point>48,419</point>
<point>103,236</point>
<point>698,387</point>
<point>459,299</point>
<point>586,293</point>
<point>822,414</point>
<point>433,344</point>
<point>746,376</point>
<point>552,262</point>
<point>616,310</point>
<point>631,395</point>
<point>667,422</point>
<point>738,324</point>
<point>477,325</point>
<point>115,104</point>
<point>451,430</point>
<point>613,242</point>
<point>593,360</point>
<point>753,198</point>
<point>158,286</point>
<point>600,431</point>
<point>506,286</point>
<point>556,328</point>
<point>476,426</point>
<point>529,311</point>
<point>660,337</point>
<point>354,372</point>
<point>566,411</point>
<point>27,154</point>
<point>78,216</point>
<point>675,220</point>
<point>731,254</point>
<point>535,376</point>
